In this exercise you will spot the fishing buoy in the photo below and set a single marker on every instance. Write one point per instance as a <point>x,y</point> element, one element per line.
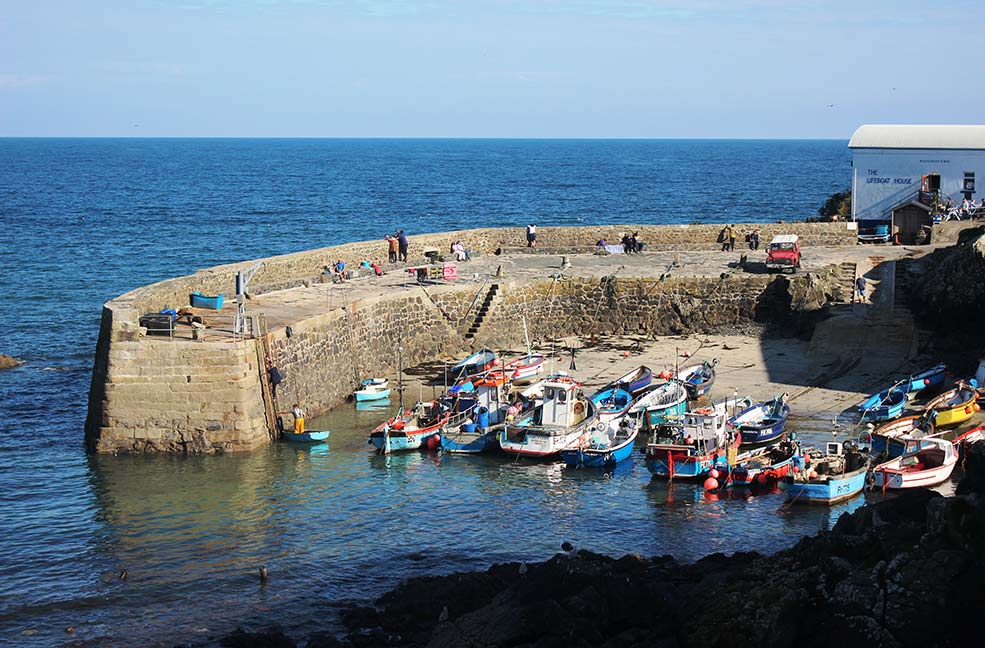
<point>926,381</point>
<point>496,362</point>
<point>761,478</point>
<point>625,354</point>
<point>807,459</point>
<point>685,354</point>
<point>434,442</point>
<point>812,474</point>
<point>976,407</point>
<point>711,484</point>
<point>713,473</point>
<point>969,410</point>
<point>665,375</point>
<point>796,469</point>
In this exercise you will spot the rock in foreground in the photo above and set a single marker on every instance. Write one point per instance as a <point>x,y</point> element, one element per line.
<point>9,362</point>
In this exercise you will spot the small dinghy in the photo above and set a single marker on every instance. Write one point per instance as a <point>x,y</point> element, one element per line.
<point>525,368</point>
<point>827,478</point>
<point>636,380</point>
<point>889,439</point>
<point>763,421</point>
<point>604,445</point>
<point>954,406</point>
<point>312,436</point>
<point>926,462</point>
<point>612,403</point>
<point>480,361</point>
<point>884,406</point>
<point>372,389</point>
<point>698,379</point>
<point>660,403</point>
<point>932,377</point>
<point>764,466</point>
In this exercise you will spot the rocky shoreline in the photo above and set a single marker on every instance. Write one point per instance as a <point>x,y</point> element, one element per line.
<point>907,571</point>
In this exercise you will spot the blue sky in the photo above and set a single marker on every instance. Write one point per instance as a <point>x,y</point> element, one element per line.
<point>485,68</point>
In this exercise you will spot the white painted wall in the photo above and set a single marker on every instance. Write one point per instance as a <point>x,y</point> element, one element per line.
<point>882,178</point>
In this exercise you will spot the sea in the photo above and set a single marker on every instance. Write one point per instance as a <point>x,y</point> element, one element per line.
<point>165,550</point>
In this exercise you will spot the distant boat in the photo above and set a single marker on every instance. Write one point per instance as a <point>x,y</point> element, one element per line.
<point>556,422</point>
<point>373,389</point>
<point>884,406</point>
<point>410,429</point>
<point>762,466</point>
<point>890,438</point>
<point>690,449</point>
<point>831,477</point>
<point>312,436</point>
<point>954,406</point>
<point>698,379</point>
<point>478,362</point>
<point>524,368</point>
<point>604,448</point>
<point>926,462</point>
<point>660,403</point>
<point>634,381</point>
<point>763,421</point>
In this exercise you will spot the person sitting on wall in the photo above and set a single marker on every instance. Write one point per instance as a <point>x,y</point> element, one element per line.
<point>634,243</point>
<point>339,270</point>
<point>459,249</point>
<point>377,268</point>
<point>600,243</point>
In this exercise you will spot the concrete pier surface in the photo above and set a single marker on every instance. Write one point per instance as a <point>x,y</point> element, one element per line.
<point>208,390</point>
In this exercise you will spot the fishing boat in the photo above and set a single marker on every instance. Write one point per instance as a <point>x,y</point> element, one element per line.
<point>954,406</point>
<point>836,475</point>
<point>763,421</point>
<point>480,361</point>
<point>689,449</point>
<point>660,403</point>
<point>410,429</point>
<point>889,439</point>
<point>483,402</point>
<point>763,466</point>
<point>554,423</point>
<point>603,448</point>
<point>930,378</point>
<point>926,462</point>
<point>612,403</point>
<point>525,368</point>
<point>698,379</point>
<point>311,436</point>
<point>372,389</point>
<point>214,302</point>
<point>636,380</point>
<point>884,406</point>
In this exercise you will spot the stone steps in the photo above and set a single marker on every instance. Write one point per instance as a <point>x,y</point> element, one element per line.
<point>482,311</point>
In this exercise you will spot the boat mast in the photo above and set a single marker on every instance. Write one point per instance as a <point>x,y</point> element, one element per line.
<point>526,336</point>
<point>400,373</point>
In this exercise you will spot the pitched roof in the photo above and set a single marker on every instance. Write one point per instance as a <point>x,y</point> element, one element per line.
<point>903,136</point>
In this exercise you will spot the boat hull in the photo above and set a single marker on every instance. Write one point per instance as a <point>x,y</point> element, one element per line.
<point>884,406</point>
<point>468,443</point>
<point>314,436</point>
<point>363,395</point>
<point>600,457</point>
<point>657,416</point>
<point>835,489</point>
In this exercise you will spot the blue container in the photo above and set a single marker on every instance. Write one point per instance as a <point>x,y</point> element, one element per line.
<point>198,300</point>
<point>483,417</point>
<point>468,428</point>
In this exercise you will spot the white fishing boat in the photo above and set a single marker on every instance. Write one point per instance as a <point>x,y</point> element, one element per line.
<point>372,389</point>
<point>555,423</point>
<point>926,462</point>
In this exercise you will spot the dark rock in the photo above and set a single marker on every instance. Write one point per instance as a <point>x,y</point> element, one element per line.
<point>272,637</point>
<point>974,470</point>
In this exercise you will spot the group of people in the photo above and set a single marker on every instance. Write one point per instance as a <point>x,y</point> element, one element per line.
<point>460,251</point>
<point>727,238</point>
<point>968,210</point>
<point>631,243</point>
<point>396,246</point>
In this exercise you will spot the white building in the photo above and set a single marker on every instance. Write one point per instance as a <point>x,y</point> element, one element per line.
<point>898,169</point>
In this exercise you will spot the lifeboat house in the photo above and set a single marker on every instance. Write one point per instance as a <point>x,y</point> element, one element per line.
<point>905,178</point>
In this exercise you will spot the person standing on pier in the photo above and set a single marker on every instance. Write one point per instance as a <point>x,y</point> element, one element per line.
<point>402,246</point>
<point>531,235</point>
<point>860,287</point>
<point>728,238</point>
<point>392,245</point>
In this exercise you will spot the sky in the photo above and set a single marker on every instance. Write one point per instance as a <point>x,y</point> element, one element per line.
<point>486,68</point>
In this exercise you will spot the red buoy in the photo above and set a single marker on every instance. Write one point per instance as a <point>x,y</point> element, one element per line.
<point>434,442</point>
<point>711,484</point>
<point>926,381</point>
<point>713,473</point>
<point>665,375</point>
<point>796,469</point>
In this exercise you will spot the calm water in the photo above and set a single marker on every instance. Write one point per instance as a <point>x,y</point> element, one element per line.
<point>86,220</point>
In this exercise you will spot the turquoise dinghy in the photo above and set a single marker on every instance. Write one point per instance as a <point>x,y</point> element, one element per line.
<point>884,406</point>
<point>604,448</point>
<point>314,436</point>
<point>661,404</point>
<point>372,389</point>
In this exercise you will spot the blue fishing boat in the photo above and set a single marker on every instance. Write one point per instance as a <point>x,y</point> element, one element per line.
<point>612,403</point>
<point>476,363</point>
<point>691,448</point>
<point>698,379</point>
<point>313,436</point>
<point>480,407</point>
<point>372,389</point>
<point>930,378</point>
<point>763,421</point>
<point>198,300</point>
<point>604,448</point>
<point>884,406</point>
<point>828,478</point>
<point>660,403</point>
<point>636,380</point>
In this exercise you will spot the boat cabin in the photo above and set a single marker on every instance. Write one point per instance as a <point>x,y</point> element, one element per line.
<point>704,427</point>
<point>563,405</point>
